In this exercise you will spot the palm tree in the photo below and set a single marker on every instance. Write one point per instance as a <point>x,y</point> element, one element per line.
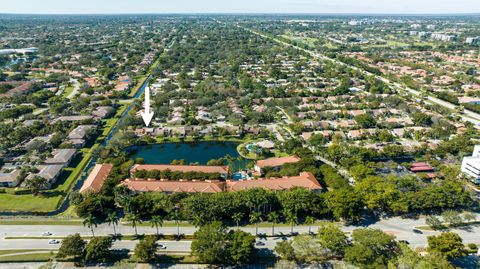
<point>274,218</point>
<point>157,221</point>
<point>293,219</point>
<point>134,218</point>
<point>237,217</point>
<point>309,221</point>
<point>112,219</point>
<point>256,217</point>
<point>90,221</point>
<point>176,217</point>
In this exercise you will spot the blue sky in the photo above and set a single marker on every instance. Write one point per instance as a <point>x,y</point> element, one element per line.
<point>243,6</point>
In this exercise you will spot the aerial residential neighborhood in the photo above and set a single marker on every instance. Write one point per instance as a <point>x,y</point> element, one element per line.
<point>278,135</point>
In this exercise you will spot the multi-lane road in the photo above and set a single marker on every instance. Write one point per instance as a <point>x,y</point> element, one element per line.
<point>403,229</point>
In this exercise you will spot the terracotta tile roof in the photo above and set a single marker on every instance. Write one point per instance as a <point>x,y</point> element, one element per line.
<point>97,178</point>
<point>174,186</point>
<point>305,180</point>
<point>421,167</point>
<point>182,168</point>
<point>274,162</point>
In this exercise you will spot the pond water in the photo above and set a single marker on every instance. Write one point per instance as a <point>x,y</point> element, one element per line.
<point>191,152</point>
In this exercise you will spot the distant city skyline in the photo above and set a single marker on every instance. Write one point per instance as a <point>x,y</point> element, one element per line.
<point>245,6</point>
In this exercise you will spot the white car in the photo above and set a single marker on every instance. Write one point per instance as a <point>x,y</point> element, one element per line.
<point>53,242</point>
<point>162,247</point>
<point>47,234</point>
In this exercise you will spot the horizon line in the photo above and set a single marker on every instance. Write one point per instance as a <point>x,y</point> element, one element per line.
<point>251,13</point>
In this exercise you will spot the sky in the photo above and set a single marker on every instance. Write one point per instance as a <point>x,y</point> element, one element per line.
<point>242,6</point>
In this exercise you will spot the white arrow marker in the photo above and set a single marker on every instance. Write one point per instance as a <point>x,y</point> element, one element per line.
<point>147,114</point>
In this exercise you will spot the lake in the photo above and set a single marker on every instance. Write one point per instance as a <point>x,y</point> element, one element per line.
<point>191,152</point>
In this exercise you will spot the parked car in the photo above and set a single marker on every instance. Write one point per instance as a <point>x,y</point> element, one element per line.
<point>259,243</point>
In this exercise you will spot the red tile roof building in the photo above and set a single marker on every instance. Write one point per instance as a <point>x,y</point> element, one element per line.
<point>97,178</point>
<point>420,167</point>
<point>304,180</point>
<point>275,163</point>
<point>174,186</point>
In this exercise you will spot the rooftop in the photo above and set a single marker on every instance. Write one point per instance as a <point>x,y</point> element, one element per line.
<point>96,178</point>
<point>273,162</point>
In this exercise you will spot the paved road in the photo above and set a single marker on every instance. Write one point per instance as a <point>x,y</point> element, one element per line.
<point>401,228</point>
<point>76,88</point>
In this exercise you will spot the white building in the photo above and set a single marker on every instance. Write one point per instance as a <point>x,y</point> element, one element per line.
<point>472,40</point>
<point>471,165</point>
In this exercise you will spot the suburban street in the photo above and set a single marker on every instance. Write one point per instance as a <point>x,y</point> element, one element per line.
<point>469,116</point>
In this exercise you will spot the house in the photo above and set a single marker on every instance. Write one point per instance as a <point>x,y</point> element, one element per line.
<point>96,178</point>
<point>304,180</point>
<point>266,144</point>
<point>72,118</point>
<point>222,170</point>
<point>421,167</point>
<point>78,135</point>
<point>49,172</point>
<point>471,165</point>
<point>275,163</point>
<point>102,112</point>
<point>61,157</point>
<point>11,179</point>
<point>44,139</point>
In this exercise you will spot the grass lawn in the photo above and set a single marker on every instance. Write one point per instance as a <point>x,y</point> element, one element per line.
<point>48,200</point>
<point>141,80</point>
<point>28,203</point>
<point>40,221</point>
<point>67,91</point>
<point>28,257</point>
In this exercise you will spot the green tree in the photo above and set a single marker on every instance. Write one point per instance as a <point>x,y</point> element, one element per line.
<point>90,222</point>
<point>333,238</point>
<point>434,223</point>
<point>157,221</point>
<point>285,250</point>
<point>146,249</point>
<point>452,217</point>
<point>292,218</point>
<point>274,218</point>
<point>371,248</point>
<point>73,246</point>
<point>176,217</point>
<point>134,218</point>
<point>98,249</point>
<point>344,204</point>
<point>447,244</point>
<point>241,247</point>
<point>36,184</point>
<point>308,250</point>
<point>237,217</point>
<point>210,243</point>
<point>366,121</point>
<point>113,219</point>
<point>256,217</point>
<point>310,221</point>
